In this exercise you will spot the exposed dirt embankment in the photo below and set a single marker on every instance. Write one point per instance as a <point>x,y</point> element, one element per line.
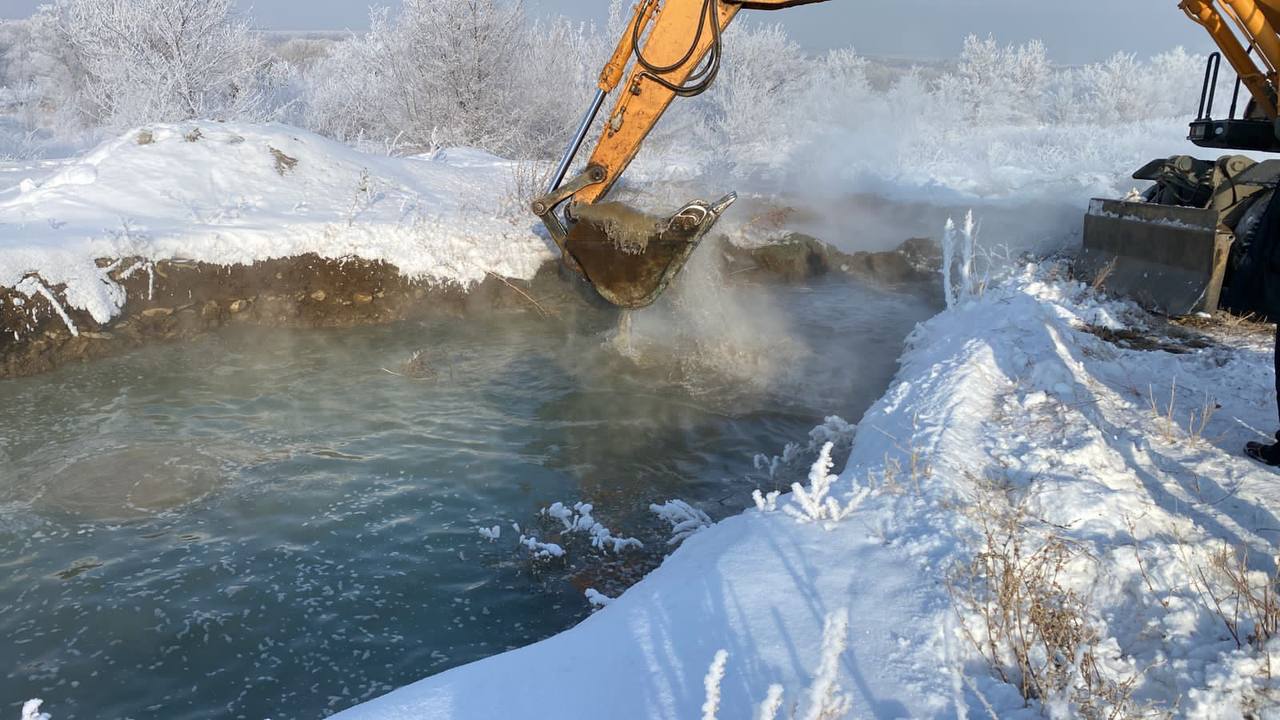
<point>174,300</point>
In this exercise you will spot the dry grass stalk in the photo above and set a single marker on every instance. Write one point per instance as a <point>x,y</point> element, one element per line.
<point>1167,423</point>
<point>1031,629</point>
<point>1099,282</point>
<point>536,305</point>
<point>1247,602</point>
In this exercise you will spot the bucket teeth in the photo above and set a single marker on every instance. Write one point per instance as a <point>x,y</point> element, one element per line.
<point>630,257</point>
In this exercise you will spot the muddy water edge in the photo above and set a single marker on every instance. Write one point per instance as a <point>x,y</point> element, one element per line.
<point>174,300</point>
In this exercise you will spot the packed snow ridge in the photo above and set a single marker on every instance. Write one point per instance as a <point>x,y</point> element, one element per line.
<point>229,193</point>
<point>1032,522</point>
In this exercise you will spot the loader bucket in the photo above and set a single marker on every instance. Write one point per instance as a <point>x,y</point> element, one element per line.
<point>1168,258</point>
<point>630,257</point>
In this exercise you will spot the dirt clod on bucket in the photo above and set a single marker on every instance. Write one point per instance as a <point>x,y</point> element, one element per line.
<point>629,229</point>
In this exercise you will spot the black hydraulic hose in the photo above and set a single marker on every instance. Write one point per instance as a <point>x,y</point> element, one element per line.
<point>703,77</point>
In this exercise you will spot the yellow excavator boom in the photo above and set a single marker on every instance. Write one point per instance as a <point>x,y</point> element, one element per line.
<point>673,49</point>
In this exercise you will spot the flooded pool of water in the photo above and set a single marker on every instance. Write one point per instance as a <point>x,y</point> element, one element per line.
<point>267,523</point>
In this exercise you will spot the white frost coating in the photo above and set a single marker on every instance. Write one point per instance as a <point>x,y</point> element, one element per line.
<point>1097,209</point>
<point>685,519</point>
<point>221,200</point>
<point>771,704</point>
<point>579,520</point>
<point>31,286</point>
<point>715,674</point>
<point>541,550</point>
<point>826,700</point>
<point>31,710</point>
<point>766,503</point>
<point>814,503</point>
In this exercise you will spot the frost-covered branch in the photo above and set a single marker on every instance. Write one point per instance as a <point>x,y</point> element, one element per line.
<point>541,550</point>
<point>715,675</point>
<point>826,699</point>
<point>814,503</point>
<point>31,286</point>
<point>685,519</point>
<point>959,281</point>
<point>578,519</point>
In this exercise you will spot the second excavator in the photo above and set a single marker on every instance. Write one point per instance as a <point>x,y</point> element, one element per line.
<point>630,257</point>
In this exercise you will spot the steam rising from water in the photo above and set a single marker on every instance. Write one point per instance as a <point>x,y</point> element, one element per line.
<point>712,334</point>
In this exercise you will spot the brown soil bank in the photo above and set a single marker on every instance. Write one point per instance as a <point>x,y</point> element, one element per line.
<point>174,300</point>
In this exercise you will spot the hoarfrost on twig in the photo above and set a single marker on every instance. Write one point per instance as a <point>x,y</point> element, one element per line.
<point>715,674</point>
<point>578,519</point>
<point>814,503</point>
<point>685,519</point>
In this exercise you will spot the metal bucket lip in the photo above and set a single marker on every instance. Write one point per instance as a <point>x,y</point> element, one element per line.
<point>636,278</point>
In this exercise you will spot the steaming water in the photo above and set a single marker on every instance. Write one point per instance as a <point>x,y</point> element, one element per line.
<point>268,524</point>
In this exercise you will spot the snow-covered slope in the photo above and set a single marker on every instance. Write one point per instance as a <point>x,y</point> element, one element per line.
<point>236,193</point>
<point>1009,426</point>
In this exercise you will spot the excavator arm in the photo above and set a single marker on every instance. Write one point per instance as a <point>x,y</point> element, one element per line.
<point>673,49</point>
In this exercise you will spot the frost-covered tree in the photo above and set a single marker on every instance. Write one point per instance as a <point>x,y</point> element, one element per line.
<point>997,84</point>
<point>117,63</point>
<point>437,72</point>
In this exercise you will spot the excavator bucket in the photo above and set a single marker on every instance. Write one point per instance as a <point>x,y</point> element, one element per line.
<point>630,257</point>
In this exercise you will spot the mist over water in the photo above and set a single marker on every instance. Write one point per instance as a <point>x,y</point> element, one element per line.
<point>268,523</point>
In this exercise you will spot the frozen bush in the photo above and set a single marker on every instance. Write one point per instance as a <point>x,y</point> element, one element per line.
<point>996,84</point>
<point>457,72</point>
<point>814,503</point>
<point>124,62</point>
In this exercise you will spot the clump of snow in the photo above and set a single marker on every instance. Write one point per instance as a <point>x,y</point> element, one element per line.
<point>490,533</point>
<point>31,710</point>
<point>597,598</point>
<point>222,199</point>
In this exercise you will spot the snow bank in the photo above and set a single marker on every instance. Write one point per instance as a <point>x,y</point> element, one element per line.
<point>238,193</point>
<point>1006,401</point>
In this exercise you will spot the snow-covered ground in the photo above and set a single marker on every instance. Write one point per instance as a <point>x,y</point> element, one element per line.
<point>236,193</point>
<point>1021,472</point>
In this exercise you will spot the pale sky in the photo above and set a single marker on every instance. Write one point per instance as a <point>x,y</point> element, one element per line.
<point>1073,32</point>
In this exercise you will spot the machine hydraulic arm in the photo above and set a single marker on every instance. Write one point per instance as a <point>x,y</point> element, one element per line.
<point>670,49</point>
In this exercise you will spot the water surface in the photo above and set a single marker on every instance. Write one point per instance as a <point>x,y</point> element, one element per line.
<point>267,523</point>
